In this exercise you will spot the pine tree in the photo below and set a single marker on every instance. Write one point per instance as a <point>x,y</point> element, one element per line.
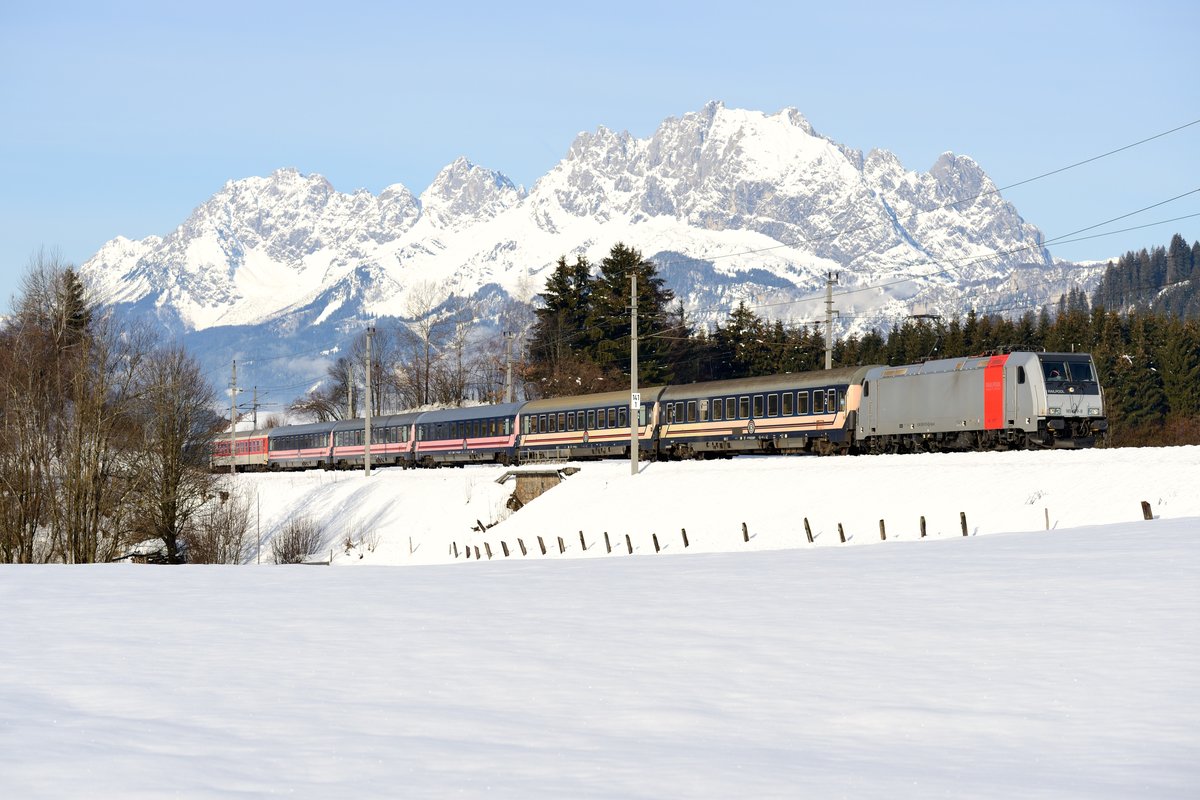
<point>608,321</point>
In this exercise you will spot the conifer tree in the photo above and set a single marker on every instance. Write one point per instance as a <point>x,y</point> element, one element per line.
<point>609,319</point>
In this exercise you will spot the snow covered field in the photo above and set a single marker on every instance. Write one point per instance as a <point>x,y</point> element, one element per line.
<point>1029,664</point>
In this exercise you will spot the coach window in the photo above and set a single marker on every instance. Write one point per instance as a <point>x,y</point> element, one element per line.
<point>622,417</point>
<point>570,420</point>
<point>718,409</point>
<point>841,401</point>
<point>704,410</point>
<point>612,418</point>
<point>787,404</point>
<point>831,403</point>
<point>744,407</point>
<point>801,402</point>
<point>691,411</point>
<point>818,403</point>
<point>758,406</point>
<point>730,408</point>
<point>772,405</point>
<point>562,421</point>
<point>591,419</point>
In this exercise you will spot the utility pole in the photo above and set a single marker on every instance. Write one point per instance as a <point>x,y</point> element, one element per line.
<point>635,401</point>
<point>255,408</point>
<point>233,420</point>
<point>350,388</point>
<point>508,387</point>
<point>367,418</point>
<point>830,279</point>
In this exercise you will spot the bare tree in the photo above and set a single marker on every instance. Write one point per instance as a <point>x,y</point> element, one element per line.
<point>178,423</point>
<point>420,339</point>
<point>65,393</point>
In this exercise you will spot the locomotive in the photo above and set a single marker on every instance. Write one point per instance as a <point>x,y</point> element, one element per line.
<point>1016,400</point>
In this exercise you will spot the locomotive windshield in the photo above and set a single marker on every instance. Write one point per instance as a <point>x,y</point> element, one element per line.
<point>1067,374</point>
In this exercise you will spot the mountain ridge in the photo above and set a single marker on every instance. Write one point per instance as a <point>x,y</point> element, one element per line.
<point>751,206</point>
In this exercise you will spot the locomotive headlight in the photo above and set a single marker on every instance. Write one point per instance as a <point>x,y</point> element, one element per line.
<point>1055,409</point>
<point>1093,411</point>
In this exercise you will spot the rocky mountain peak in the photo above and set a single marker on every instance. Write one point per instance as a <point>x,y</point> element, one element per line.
<point>463,193</point>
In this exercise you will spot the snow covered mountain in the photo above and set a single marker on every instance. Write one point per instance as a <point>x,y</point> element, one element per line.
<point>732,204</point>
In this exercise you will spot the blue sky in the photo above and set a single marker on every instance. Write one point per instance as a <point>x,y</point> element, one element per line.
<point>120,118</point>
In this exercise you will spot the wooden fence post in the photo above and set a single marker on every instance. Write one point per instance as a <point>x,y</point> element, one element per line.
<point>655,537</point>
<point>488,547</point>
<point>745,533</point>
<point>504,547</point>
<point>882,532</point>
<point>922,526</point>
<point>477,556</point>
<point>582,543</point>
<point>562,548</point>
<point>607,543</point>
<point>542,545</point>
<point>684,532</point>
<point>808,530</point>
<point>456,549</point>
<point>521,542</point>
<point>841,533</point>
<point>1047,509</point>
<point>962,518</point>
<point>628,544</point>
<point>1146,512</point>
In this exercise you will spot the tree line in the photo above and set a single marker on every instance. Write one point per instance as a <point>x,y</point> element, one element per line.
<point>1148,357</point>
<point>104,436</point>
<point>1158,279</point>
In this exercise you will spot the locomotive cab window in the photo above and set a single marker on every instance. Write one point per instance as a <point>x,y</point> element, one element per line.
<point>1020,374</point>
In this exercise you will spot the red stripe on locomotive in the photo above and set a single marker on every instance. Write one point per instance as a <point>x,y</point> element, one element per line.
<point>993,393</point>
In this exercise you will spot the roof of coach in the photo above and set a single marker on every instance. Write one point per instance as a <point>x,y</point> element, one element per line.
<point>294,430</point>
<point>600,400</point>
<point>471,412</point>
<point>386,421</point>
<point>768,383</point>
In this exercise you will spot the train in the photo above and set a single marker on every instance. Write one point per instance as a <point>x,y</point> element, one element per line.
<point>995,401</point>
